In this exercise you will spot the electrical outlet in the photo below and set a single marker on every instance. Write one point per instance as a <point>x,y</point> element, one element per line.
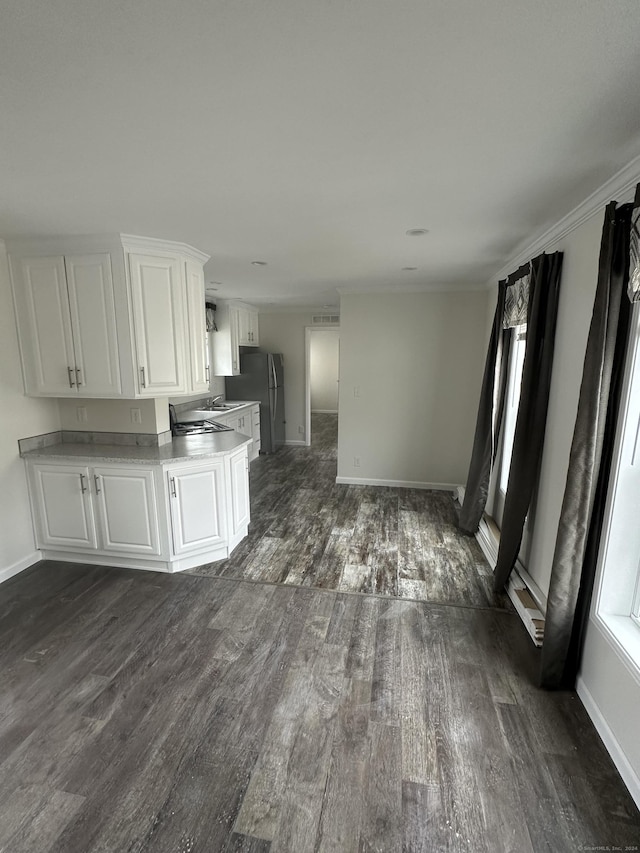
<point>356,461</point>
<point>81,414</point>
<point>136,416</point>
<point>301,430</point>
<point>356,390</point>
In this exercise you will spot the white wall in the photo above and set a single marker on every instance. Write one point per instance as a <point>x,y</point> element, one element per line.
<point>285,333</point>
<point>581,249</point>
<point>410,372</point>
<point>324,349</point>
<point>20,417</point>
<point>115,415</point>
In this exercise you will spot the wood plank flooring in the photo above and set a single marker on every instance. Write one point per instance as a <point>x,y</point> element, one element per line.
<point>157,714</point>
<point>151,713</point>
<point>306,530</point>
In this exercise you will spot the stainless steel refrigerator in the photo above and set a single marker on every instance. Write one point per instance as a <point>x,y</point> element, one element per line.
<point>261,378</point>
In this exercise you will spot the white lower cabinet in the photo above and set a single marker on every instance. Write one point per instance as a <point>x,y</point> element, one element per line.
<point>63,506</point>
<point>127,510</point>
<point>165,517</point>
<point>197,501</point>
<point>238,468</point>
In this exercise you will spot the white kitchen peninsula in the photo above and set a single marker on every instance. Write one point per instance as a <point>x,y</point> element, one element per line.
<point>166,508</point>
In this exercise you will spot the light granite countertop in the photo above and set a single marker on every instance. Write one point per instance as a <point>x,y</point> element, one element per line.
<point>182,449</point>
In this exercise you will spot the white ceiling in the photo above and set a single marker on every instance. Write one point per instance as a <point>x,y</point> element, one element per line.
<point>312,134</point>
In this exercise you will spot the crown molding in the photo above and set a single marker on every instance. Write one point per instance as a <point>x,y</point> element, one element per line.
<point>621,185</point>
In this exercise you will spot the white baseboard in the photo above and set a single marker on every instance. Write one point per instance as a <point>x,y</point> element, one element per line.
<point>402,484</point>
<point>295,442</point>
<point>324,411</point>
<point>20,566</point>
<point>626,771</point>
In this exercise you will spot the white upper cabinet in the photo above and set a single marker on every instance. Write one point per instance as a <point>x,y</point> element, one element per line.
<point>237,326</point>
<point>93,324</point>
<point>197,324</point>
<point>158,299</point>
<point>116,316</point>
<point>67,310</point>
<point>248,335</point>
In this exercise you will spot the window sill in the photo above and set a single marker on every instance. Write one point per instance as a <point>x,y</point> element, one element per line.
<point>624,635</point>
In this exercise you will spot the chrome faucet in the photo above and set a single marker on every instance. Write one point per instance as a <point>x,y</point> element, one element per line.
<point>214,400</point>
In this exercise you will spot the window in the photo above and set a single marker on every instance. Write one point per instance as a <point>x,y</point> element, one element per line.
<point>512,401</point>
<point>500,476</point>
<point>618,587</point>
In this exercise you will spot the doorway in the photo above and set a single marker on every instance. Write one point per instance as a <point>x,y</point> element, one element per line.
<point>322,346</point>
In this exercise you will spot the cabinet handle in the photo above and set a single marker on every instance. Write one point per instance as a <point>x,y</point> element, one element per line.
<point>207,374</point>
<point>83,488</point>
<point>172,480</point>
<point>78,377</point>
<point>142,379</point>
<point>71,382</point>
<point>97,482</point>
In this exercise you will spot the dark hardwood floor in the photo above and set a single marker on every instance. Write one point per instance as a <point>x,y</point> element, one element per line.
<point>150,713</point>
<point>308,531</point>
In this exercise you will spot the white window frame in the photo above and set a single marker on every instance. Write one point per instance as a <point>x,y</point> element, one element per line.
<point>500,473</point>
<point>616,607</point>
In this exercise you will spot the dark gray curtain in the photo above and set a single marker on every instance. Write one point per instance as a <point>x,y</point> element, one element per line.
<point>528,440</point>
<point>578,539</point>
<point>488,422</point>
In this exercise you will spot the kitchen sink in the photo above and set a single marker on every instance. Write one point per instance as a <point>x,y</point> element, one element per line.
<point>225,407</point>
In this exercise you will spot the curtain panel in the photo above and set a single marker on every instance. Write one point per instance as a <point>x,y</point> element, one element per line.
<point>490,410</point>
<point>528,442</point>
<point>634,250</point>
<point>581,519</point>
<point>516,304</point>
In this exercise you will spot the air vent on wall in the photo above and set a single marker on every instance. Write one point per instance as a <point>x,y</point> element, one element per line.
<point>325,319</point>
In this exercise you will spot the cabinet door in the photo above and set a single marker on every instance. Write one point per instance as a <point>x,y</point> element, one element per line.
<point>243,424</point>
<point>254,451</point>
<point>239,512</point>
<point>44,325</point>
<point>197,322</point>
<point>234,328</point>
<point>254,332</point>
<point>63,507</point>
<point>93,323</point>
<point>244,330</point>
<point>158,303</point>
<point>127,510</point>
<point>197,507</point>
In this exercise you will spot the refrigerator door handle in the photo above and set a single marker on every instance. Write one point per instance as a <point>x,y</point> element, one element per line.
<point>273,371</point>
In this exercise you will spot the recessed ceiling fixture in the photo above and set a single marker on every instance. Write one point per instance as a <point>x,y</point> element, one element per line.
<point>409,269</point>
<point>416,232</point>
<point>258,263</point>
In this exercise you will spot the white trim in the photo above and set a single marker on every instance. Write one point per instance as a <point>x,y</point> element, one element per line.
<point>623,635</point>
<point>489,546</point>
<point>20,566</point>
<point>324,411</point>
<point>293,442</point>
<point>612,745</point>
<point>621,185</point>
<point>307,386</point>
<point>404,484</point>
